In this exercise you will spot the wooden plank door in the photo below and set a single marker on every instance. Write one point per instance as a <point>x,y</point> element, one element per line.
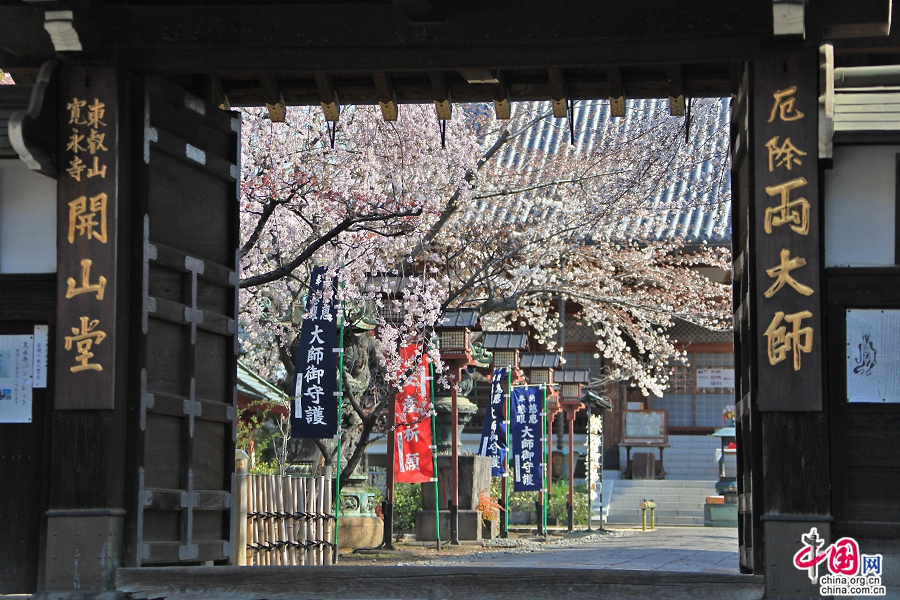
<point>25,301</point>
<point>187,186</point>
<point>747,415</point>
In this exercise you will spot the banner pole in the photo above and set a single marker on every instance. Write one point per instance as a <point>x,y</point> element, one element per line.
<point>506,455</point>
<point>547,478</point>
<point>434,458</point>
<point>337,481</point>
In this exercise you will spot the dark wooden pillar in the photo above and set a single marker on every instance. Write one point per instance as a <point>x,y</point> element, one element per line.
<point>784,477</point>
<point>89,424</point>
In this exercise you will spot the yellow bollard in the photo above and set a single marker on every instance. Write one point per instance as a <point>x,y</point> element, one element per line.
<point>644,506</point>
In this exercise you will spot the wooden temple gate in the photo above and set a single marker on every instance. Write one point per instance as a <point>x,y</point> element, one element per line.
<point>140,452</point>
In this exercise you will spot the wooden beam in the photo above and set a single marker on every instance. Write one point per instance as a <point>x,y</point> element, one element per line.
<point>863,18</point>
<point>616,92</point>
<point>558,93</point>
<point>478,76</point>
<point>676,92</point>
<point>423,11</point>
<point>217,96</point>
<point>387,99</point>
<point>498,583</point>
<point>273,97</point>
<point>501,98</point>
<point>328,97</point>
<point>443,104</point>
<point>788,17</point>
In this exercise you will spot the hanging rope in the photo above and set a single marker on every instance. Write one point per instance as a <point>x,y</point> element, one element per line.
<point>687,121</point>
<point>570,109</point>
<point>442,126</point>
<point>332,131</point>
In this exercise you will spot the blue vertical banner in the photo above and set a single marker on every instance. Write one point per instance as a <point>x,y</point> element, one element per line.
<point>493,433</point>
<point>314,411</point>
<point>527,441</point>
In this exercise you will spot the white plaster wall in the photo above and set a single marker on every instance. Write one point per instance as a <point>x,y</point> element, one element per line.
<point>860,201</point>
<point>27,220</point>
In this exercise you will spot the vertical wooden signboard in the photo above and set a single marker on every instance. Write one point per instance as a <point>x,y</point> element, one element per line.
<point>789,290</point>
<point>86,239</point>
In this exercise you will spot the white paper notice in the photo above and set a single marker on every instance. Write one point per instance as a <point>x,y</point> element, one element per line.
<point>16,365</point>
<point>873,355</point>
<point>715,378</point>
<point>41,339</point>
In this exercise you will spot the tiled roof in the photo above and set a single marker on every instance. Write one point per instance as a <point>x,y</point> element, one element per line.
<point>505,340</point>
<point>465,317</point>
<point>252,385</point>
<point>571,376</point>
<point>708,218</point>
<point>539,360</point>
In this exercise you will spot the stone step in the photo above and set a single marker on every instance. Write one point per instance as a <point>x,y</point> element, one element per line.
<point>660,513</point>
<point>666,490</point>
<point>660,483</point>
<point>674,521</point>
<point>684,505</point>
<point>659,499</point>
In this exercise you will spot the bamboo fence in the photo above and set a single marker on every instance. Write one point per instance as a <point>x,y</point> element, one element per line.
<point>289,520</point>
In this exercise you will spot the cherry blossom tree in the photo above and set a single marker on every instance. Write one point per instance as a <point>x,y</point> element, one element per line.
<point>498,219</point>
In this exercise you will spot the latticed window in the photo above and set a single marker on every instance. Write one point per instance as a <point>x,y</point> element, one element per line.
<point>504,358</point>
<point>699,392</point>
<point>539,376</point>
<point>570,390</point>
<point>453,339</point>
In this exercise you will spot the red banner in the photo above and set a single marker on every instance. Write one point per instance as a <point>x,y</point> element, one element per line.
<point>413,459</point>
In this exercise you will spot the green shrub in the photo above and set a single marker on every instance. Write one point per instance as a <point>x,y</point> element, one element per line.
<point>407,502</point>
<point>559,498</point>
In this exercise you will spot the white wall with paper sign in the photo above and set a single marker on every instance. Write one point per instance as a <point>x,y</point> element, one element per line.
<point>873,355</point>
<point>23,366</point>
<point>715,378</point>
<point>16,374</point>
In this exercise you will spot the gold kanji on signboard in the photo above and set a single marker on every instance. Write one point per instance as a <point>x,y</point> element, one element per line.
<point>787,212</point>
<point>95,113</point>
<point>95,142</point>
<point>782,276</point>
<point>97,169</point>
<point>88,218</point>
<point>86,286</point>
<point>74,107</point>
<point>781,341</point>
<point>784,105</point>
<point>84,338</point>
<point>76,166</point>
<point>75,140</point>
<point>786,155</point>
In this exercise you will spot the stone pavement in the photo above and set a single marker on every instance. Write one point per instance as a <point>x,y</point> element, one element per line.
<point>681,549</point>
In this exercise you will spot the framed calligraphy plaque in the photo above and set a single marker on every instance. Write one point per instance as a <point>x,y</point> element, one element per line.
<point>86,238</point>
<point>788,293</point>
<point>645,427</point>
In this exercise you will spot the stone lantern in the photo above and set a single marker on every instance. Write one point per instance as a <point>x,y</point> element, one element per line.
<point>570,383</point>
<point>454,332</point>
